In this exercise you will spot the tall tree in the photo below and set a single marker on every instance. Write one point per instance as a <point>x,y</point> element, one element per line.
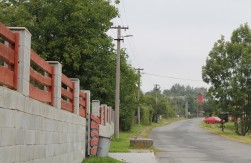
<point>74,32</point>
<point>128,94</point>
<point>227,69</point>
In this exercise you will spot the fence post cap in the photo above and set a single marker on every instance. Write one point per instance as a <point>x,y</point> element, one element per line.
<point>19,29</point>
<point>53,62</point>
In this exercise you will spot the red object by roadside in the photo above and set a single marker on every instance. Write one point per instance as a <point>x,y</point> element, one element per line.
<point>212,120</point>
<point>200,99</point>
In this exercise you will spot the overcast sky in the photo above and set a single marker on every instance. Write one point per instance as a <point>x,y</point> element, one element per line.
<point>172,38</point>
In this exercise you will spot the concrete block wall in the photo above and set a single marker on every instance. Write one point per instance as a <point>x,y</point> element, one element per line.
<point>31,131</point>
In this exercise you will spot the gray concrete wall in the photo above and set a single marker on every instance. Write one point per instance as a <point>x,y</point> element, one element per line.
<point>31,131</point>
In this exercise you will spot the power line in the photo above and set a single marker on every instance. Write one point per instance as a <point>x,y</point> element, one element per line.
<point>120,16</point>
<point>170,77</point>
<point>135,49</point>
<point>124,11</point>
<point>130,43</point>
<point>133,53</point>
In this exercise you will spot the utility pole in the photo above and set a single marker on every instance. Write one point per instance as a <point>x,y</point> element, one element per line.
<point>186,108</point>
<point>156,88</point>
<point>117,92</point>
<point>139,69</point>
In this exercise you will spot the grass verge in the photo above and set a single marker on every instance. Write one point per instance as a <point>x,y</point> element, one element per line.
<point>228,133</point>
<point>140,131</point>
<point>100,159</point>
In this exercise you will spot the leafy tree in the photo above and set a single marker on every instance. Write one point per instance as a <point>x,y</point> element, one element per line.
<point>227,69</point>
<point>128,93</point>
<point>146,114</point>
<point>210,108</point>
<point>160,104</point>
<point>181,90</point>
<point>179,105</point>
<point>74,32</point>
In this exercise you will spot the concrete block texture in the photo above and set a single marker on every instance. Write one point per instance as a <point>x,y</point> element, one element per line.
<point>8,137</point>
<point>26,152</point>
<point>40,137</point>
<point>7,117</point>
<point>39,132</point>
<point>29,137</point>
<point>20,103</point>
<point>28,121</point>
<point>6,154</point>
<point>20,136</point>
<point>8,96</point>
<point>1,96</point>
<point>49,150</point>
<point>35,106</point>
<point>39,151</point>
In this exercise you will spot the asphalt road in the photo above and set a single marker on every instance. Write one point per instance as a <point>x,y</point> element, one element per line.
<point>185,142</point>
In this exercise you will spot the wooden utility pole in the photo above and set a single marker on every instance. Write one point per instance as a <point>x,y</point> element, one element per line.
<point>186,108</point>
<point>117,92</point>
<point>139,69</point>
<point>156,88</point>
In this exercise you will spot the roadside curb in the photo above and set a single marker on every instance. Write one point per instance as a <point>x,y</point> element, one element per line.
<point>134,157</point>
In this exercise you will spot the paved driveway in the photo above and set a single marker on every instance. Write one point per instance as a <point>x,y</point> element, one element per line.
<point>185,142</point>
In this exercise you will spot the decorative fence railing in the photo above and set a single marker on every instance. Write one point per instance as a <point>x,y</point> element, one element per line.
<point>38,79</point>
<point>41,79</point>
<point>82,104</point>
<point>9,42</point>
<point>24,70</point>
<point>67,94</point>
<point>94,134</point>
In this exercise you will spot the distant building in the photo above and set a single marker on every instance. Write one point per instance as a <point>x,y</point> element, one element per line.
<point>200,99</point>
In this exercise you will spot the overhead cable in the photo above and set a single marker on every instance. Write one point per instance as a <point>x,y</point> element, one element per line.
<point>171,77</point>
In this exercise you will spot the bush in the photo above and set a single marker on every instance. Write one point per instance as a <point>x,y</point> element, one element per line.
<point>146,115</point>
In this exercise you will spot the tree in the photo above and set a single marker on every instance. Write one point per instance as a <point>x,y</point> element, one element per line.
<point>74,32</point>
<point>159,104</point>
<point>178,93</point>
<point>227,69</point>
<point>129,90</point>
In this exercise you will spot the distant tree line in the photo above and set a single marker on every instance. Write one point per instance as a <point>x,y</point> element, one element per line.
<point>171,103</point>
<point>180,93</point>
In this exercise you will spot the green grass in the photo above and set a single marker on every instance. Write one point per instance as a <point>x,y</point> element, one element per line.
<point>140,131</point>
<point>99,159</point>
<point>229,132</point>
